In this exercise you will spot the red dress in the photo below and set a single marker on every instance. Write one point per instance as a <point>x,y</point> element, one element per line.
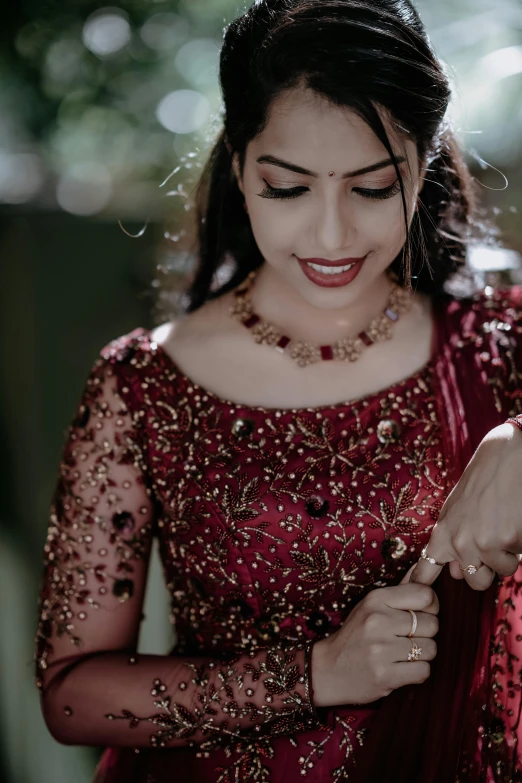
<point>272,525</point>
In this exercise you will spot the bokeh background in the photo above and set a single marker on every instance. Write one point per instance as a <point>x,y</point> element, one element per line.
<point>106,115</point>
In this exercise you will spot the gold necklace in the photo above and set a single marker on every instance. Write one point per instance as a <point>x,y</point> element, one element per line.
<point>347,349</point>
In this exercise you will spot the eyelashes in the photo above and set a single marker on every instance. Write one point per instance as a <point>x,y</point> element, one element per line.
<point>369,193</point>
<point>381,193</point>
<point>281,193</point>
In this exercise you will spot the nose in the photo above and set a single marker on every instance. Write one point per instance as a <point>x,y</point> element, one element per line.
<point>334,225</point>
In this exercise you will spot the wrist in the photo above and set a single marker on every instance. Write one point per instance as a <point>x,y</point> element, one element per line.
<point>319,668</point>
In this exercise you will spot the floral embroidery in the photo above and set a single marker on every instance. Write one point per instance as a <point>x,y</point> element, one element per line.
<point>216,698</point>
<point>79,575</point>
<point>272,525</point>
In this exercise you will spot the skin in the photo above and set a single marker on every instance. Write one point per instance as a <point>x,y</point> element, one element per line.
<point>480,521</point>
<point>332,220</point>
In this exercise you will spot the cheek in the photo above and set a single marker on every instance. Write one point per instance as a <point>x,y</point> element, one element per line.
<point>383,222</point>
<point>275,227</point>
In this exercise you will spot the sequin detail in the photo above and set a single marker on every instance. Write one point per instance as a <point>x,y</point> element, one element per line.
<point>272,526</point>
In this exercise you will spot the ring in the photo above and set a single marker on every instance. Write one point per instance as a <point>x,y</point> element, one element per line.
<point>414,623</point>
<point>431,560</point>
<point>415,653</point>
<point>471,569</point>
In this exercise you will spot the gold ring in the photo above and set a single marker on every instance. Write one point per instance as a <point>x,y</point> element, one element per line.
<point>413,623</point>
<point>431,560</point>
<point>415,653</point>
<point>471,569</point>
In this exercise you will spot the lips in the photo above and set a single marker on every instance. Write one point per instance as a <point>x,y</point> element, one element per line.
<point>325,262</point>
<point>331,279</point>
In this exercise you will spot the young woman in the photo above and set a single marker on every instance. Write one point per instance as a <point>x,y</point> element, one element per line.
<point>292,441</point>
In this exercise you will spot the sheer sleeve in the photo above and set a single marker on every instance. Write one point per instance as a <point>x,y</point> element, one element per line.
<point>95,688</point>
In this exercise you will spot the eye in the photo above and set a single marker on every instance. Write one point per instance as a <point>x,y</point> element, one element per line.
<point>284,193</point>
<point>373,193</point>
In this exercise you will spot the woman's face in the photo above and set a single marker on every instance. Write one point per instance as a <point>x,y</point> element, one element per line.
<point>310,214</point>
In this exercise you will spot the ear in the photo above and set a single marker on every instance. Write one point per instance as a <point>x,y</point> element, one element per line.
<point>237,171</point>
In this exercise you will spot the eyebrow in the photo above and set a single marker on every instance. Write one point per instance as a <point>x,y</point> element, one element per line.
<point>382,164</point>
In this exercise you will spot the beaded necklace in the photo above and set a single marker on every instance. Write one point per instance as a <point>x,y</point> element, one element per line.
<point>347,349</point>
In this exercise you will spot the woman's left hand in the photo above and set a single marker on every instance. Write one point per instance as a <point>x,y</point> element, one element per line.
<point>481,520</point>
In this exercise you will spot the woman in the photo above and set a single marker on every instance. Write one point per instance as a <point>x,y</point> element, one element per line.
<point>292,441</point>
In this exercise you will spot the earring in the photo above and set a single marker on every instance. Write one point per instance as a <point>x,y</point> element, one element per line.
<point>245,207</point>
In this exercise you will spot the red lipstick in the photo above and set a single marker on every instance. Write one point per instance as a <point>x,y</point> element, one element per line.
<point>332,279</point>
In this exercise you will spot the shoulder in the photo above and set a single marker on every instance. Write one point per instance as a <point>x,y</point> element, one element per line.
<point>121,350</point>
<point>198,337</point>
<point>117,374</point>
<point>208,320</point>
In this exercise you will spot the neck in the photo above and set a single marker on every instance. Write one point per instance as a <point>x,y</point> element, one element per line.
<point>278,302</point>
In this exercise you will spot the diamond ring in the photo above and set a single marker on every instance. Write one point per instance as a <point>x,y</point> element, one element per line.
<point>415,653</point>
<point>431,560</point>
<point>471,569</point>
<point>413,623</point>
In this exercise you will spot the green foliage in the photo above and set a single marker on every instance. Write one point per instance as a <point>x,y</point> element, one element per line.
<point>82,83</point>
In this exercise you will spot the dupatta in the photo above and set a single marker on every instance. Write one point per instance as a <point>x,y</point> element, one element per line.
<point>438,732</point>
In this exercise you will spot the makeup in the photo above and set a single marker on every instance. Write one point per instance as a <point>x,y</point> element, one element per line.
<point>328,274</point>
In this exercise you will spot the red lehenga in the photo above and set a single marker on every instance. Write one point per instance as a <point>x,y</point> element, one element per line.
<point>272,524</point>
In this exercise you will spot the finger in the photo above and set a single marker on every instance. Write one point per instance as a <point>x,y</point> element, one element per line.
<point>425,573</point>
<point>427,649</point>
<point>402,623</point>
<point>408,596</point>
<point>478,578</point>
<point>406,578</point>
<point>411,672</point>
<point>504,563</point>
<point>436,554</point>
<point>455,571</point>
<point>478,575</point>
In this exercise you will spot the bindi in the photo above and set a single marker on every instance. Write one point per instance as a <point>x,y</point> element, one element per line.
<point>331,173</point>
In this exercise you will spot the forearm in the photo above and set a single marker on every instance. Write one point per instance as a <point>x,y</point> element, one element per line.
<point>122,699</point>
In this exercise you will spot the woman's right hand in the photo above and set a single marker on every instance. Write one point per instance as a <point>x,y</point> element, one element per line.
<point>367,658</point>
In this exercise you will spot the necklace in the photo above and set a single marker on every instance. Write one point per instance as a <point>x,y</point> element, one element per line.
<point>347,349</point>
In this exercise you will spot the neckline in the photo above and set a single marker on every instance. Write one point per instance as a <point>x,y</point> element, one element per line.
<point>157,350</point>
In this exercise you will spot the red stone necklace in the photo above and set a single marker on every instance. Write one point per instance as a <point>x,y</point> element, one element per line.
<point>347,349</point>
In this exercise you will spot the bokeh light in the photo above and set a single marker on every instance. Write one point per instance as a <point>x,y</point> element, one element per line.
<point>107,31</point>
<point>183,111</point>
<point>134,88</point>
<point>85,189</point>
<point>163,32</point>
<point>197,61</point>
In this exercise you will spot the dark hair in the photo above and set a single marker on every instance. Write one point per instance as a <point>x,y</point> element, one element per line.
<point>382,46</point>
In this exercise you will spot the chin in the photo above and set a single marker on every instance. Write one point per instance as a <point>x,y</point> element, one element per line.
<point>335,298</point>
<point>331,298</point>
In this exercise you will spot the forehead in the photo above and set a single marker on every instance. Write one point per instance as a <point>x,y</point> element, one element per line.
<point>311,131</point>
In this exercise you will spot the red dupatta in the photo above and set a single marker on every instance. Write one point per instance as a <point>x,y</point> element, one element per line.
<point>433,733</point>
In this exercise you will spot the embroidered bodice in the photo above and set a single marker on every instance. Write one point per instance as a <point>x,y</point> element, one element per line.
<point>272,525</point>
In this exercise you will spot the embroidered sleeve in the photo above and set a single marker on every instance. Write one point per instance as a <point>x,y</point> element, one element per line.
<point>514,310</point>
<point>503,730</point>
<point>95,688</point>
<point>501,354</point>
